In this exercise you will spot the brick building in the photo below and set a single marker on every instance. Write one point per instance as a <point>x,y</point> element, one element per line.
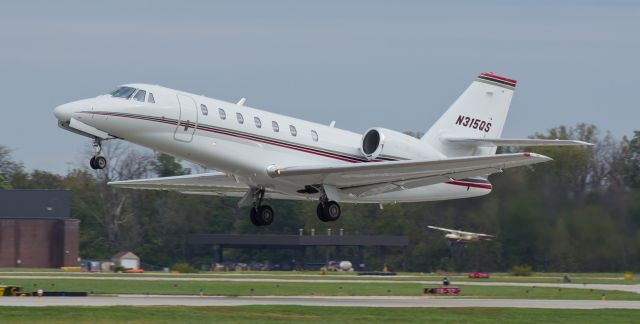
<point>36,229</point>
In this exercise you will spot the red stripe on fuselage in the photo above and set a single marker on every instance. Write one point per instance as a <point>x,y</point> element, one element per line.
<point>470,184</point>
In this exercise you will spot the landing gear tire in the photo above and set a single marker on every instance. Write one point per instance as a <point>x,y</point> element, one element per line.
<point>254,217</point>
<point>265,215</point>
<point>98,162</point>
<point>262,216</point>
<point>329,211</point>
<point>320,213</point>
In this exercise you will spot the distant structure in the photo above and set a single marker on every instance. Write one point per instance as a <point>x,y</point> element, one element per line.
<point>36,229</point>
<point>126,260</point>
<point>302,243</point>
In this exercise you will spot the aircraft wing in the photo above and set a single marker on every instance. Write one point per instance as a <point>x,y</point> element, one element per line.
<point>365,179</point>
<point>442,229</point>
<point>212,183</point>
<point>514,142</point>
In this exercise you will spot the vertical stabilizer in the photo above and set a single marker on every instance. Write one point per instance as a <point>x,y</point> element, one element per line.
<point>480,112</point>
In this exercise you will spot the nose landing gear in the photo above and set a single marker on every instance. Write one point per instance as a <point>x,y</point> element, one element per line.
<point>98,162</point>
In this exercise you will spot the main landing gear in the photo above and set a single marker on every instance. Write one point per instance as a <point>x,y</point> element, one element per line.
<point>261,215</point>
<point>328,210</point>
<point>98,162</point>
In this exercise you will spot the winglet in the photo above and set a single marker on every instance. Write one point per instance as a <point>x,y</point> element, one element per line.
<point>241,101</point>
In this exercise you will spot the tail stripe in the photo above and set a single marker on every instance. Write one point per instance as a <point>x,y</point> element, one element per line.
<point>497,80</point>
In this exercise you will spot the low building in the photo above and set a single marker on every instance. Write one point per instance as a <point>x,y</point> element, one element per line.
<point>126,259</point>
<point>36,229</point>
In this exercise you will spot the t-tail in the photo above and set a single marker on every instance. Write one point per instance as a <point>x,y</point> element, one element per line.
<point>479,113</point>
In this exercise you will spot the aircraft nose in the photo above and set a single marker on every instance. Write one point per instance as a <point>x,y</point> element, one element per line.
<point>63,112</point>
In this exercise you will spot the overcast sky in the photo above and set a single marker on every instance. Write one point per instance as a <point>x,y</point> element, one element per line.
<point>396,64</point>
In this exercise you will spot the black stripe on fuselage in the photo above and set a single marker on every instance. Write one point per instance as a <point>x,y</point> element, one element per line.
<point>245,135</point>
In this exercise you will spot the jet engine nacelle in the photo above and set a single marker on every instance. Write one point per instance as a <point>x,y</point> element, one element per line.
<point>381,141</point>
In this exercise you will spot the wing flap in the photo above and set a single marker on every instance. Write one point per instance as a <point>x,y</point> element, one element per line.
<point>513,142</point>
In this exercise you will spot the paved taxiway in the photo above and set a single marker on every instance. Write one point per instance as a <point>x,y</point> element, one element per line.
<point>618,287</point>
<point>393,301</point>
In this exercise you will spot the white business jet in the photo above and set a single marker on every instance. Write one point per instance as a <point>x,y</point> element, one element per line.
<point>262,155</point>
<point>462,236</point>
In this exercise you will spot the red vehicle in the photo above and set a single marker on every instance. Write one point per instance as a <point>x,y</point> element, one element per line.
<point>442,291</point>
<point>479,275</point>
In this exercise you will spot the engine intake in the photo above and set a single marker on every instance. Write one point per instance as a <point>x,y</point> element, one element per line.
<point>381,142</point>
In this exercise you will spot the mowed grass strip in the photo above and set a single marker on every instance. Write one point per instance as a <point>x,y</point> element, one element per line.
<point>581,278</point>
<point>290,314</point>
<point>236,288</point>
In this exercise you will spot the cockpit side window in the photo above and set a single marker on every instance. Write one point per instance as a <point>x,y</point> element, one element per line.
<point>123,92</point>
<point>140,95</point>
<point>150,98</point>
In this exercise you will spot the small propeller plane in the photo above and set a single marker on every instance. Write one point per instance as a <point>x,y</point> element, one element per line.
<point>261,155</point>
<point>462,236</point>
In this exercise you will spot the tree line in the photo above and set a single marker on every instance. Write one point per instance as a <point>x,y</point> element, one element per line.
<point>580,212</point>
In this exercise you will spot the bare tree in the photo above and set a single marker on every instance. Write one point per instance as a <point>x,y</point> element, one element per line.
<point>124,162</point>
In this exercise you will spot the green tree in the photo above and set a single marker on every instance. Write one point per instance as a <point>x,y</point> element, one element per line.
<point>166,165</point>
<point>631,153</point>
<point>8,166</point>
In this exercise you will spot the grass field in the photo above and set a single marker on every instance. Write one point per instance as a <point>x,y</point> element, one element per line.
<point>581,278</point>
<point>239,288</point>
<point>290,314</point>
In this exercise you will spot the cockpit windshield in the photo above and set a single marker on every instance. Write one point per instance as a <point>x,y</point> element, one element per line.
<point>123,92</point>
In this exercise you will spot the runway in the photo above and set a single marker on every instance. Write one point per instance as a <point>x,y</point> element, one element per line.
<point>382,301</point>
<point>617,287</point>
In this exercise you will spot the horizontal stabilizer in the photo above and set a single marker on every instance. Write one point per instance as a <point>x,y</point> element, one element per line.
<point>513,142</point>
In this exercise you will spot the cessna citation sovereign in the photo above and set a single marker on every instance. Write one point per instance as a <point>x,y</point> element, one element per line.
<point>262,155</point>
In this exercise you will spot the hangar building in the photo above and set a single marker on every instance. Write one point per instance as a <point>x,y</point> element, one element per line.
<point>36,229</point>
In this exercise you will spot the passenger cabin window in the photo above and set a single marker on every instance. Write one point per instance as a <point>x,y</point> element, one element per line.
<point>314,135</point>
<point>123,92</point>
<point>222,114</point>
<point>293,130</point>
<point>140,95</point>
<point>258,122</point>
<point>276,128</point>
<point>240,118</point>
<point>204,109</point>
<point>150,98</point>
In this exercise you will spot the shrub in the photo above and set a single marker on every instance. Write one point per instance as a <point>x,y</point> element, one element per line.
<point>119,269</point>
<point>183,267</point>
<point>523,271</point>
